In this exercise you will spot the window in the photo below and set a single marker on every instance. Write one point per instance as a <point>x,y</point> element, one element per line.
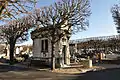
<point>44,45</point>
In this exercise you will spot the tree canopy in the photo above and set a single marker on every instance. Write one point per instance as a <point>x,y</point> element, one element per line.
<point>115,10</point>
<point>10,8</point>
<point>15,31</point>
<point>61,19</point>
<point>75,12</point>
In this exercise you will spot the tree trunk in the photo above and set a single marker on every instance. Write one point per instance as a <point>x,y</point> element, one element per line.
<point>12,46</point>
<point>53,57</point>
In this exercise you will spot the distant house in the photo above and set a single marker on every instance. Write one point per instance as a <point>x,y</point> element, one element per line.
<point>23,49</point>
<point>19,49</point>
<point>3,50</point>
<point>42,47</point>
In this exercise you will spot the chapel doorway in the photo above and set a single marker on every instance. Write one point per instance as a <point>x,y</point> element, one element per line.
<point>64,53</point>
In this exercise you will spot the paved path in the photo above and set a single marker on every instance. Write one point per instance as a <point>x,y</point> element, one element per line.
<point>20,73</point>
<point>109,74</point>
<point>107,66</point>
<point>17,73</point>
<point>30,75</point>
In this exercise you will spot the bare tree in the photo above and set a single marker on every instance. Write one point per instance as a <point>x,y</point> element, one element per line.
<point>72,14</point>
<point>10,8</point>
<point>115,10</point>
<point>15,31</point>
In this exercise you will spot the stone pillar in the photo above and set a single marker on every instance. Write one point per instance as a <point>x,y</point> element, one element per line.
<point>75,48</point>
<point>28,50</point>
<point>8,52</point>
<point>90,63</point>
<point>17,50</point>
<point>67,55</point>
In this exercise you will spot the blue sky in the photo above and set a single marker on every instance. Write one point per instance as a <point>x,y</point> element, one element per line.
<point>101,21</point>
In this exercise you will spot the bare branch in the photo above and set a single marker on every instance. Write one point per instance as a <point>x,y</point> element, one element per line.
<point>19,6</point>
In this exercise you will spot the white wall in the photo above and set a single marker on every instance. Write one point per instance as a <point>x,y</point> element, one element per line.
<point>58,49</point>
<point>36,48</point>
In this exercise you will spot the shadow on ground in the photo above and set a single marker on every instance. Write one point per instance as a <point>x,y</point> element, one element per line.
<point>106,74</point>
<point>6,68</point>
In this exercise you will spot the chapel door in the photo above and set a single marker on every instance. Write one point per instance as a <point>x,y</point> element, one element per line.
<point>64,53</point>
